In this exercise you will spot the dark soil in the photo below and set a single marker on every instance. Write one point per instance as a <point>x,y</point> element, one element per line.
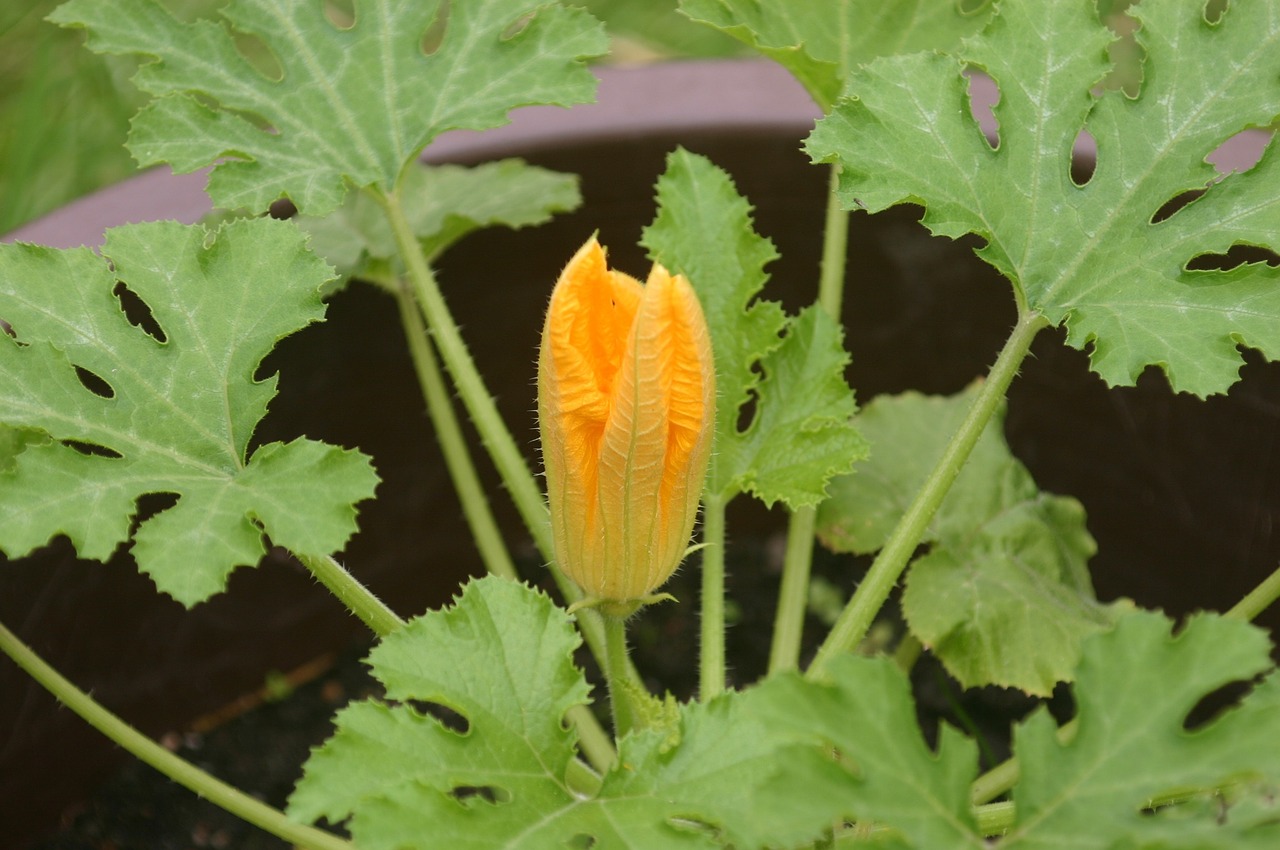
<point>262,750</point>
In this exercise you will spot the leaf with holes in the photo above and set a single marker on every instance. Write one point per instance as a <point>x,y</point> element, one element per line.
<point>501,658</point>
<point>131,413</point>
<point>443,203</point>
<point>1097,257</point>
<point>343,104</point>
<point>1003,597</point>
<point>799,434</point>
<point>821,41</point>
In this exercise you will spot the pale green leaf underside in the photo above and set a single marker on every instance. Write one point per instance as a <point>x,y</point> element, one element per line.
<point>1134,688</point>
<point>800,435</point>
<point>180,413</point>
<point>1089,256</point>
<point>351,104</point>
<point>502,659</point>
<point>1003,596</point>
<point>443,203</point>
<point>821,41</point>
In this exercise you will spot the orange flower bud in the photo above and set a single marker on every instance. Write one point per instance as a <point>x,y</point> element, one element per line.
<point>626,406</point>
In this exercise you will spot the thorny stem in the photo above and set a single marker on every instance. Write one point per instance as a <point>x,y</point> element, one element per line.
<point>466,481</point>
<point>179,770</point>
<point>851,627</point>
<point>1004,776</point>
<point>793,595</point>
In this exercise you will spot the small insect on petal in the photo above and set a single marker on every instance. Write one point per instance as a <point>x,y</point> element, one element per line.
<point>626,410</point>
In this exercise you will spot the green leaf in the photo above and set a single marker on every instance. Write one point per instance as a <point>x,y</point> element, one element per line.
<point>886,774</point>
<point>350,104</point>
<point>1089,256</point>
<point>799,434</point>
<point>443,203</point>
<point>502,659</point>
<point>165,416</point>
<point>821,41</point>
<point>1004,595</point>
<point>1134,689</point>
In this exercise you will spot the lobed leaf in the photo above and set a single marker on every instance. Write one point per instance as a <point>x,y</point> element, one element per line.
<point>799,434</point>
<point>1003,597</point>
<point>502,659</point>
<point>172,409</point>
<point>350,104</point>
<point>821,41</point>
<point>1100,257</point>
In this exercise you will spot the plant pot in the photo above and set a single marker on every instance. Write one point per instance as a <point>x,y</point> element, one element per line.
<point>1182,495</point>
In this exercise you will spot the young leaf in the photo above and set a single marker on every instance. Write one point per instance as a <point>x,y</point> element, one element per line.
<point>800,434</point>
<point>443,203</point>
<point>502,659</point>
<point>170,410</point>
<point>351,104</point>
<point>1134,689</point>
<point>1092,256</point>
<point>1004,596</point>
<point>821,41</point>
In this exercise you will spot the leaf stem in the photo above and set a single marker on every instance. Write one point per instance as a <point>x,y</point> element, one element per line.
<point>1004,776</point>
<point>179,770</point>
<point>711,663</point>
<point>371,610</point>
<point>793,593</point>
<point>466,481</point>
<point>851,627</point>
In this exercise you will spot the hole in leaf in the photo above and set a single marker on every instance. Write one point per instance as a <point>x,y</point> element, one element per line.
<point>468,795</point>
<point>1125,53</point>
<point>150,504</point>
<point>282,209</point>
<point>971,7</point>
<point>259,56</point>
<point>1084,158</point>
<point>434,36</point>
<point>747,413</point>
<point>341,13</point>
<point>8,329</point>
<point>984,95</point>
<point>1177,202</point>
<point>94,383</point>
<point>581,841</point>
<point>1237,255</point>
<point>1240,152</point>
<point>517,26</point>
<point>449,719</point>
<point>1213,10</point>
<point>92,449</point>
<point>138,312</point>
<point>1213,704</point>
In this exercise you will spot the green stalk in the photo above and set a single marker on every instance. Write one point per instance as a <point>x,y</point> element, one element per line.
<point>793,594</point>
<point>711,663</point>
<point>183,772</point>
<point>1004,776</point>
<point>466,481</point>
<point>851,627</point>
<point>617,675</point>
<point>371,610</point>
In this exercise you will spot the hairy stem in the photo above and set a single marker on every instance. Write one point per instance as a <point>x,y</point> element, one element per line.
<point>711,662</point>
<point>180,771</point>
<point>618,677</point>
<point>793,594</point>
<point>371,610</point>
<point>851,627</point>
<point>457,458</point>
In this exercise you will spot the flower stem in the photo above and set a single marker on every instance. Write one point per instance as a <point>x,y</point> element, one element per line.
<point>371,610</point>
<point>466,481</point>
<point>617,674</point>
<point>711,661</point>
<point>851,627</point>
<point>183,772</point>
<point>793,595</point>
<point>1004,776</point>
